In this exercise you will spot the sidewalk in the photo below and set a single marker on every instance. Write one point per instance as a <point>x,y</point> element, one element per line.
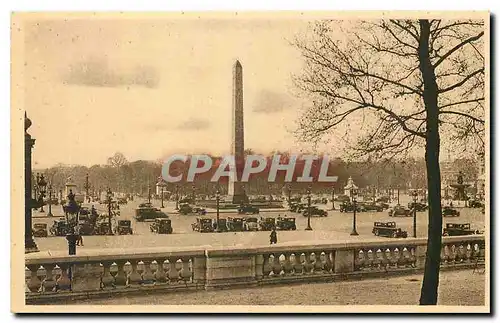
<point>459,288</point>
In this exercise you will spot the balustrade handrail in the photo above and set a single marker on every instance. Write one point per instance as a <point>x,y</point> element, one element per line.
<point>99,255</point>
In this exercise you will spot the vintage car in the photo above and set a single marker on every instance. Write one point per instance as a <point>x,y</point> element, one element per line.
<point>146,205</point>
<point>476,204</point>
<point>383,199</point>
<point>250,224</point>
<point>349,207</point>
<point>123,227</point>
<point>400,210</point>
<point>102,228</point>
<point>458,229</point>
<point>200,210</point>
<point>388,229</point>
<point>449,211</point>
<point>267,224</point>
<point>371,206</point>
<point>59,228</point>
<point>248,209</point>
<point>161,226</point>
<point>297,207</point>
<point>222,225</point>
<point>149,213</point>
<point>203,225</point>
<point>421,207</point>
<point>86,227</point>
<point>186,209</point>
<point>313,210</point>
<point>40,230</point>
<point>122,200</point>
<point>285,224</point>
<point>342,198</point>
<point>235,224</point>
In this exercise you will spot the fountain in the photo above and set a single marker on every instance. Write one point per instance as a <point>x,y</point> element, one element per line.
<point>459,187</point>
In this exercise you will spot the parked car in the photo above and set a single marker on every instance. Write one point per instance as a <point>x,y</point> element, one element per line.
<point>297,207</point>
<point>185,209</point>
<point>248,209</point>
<point>222,225</point>
<point>371,206</point>
<point>400,210</point>
<point>40,230</point>
<point>349,207</point>
<point>235,224</point>
<point>200,211</point>
<point>421,207</point>
<point>87,227</point>
<point>161,226</point>
<point>146,205</point>
<point>476,204</point>
<point>383,199</point>
<point>458,229</point>
<point>449,211</point>
<point>267,224</point>
<point>203,225</point>
<point>123,227</point>
<point>388,229</point>
<point>59,228</point>
<point>122,200</point>
<point>250,224</point>
<point>149,213</point>
<point>102,228</point>
<point>285,224</point>
<point>313,210</point>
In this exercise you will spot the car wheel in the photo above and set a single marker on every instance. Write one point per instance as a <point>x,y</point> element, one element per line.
<point>376,232</point>
<point>394,235</point>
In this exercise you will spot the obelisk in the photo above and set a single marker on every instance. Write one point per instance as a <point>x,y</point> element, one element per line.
<point>235,189</point>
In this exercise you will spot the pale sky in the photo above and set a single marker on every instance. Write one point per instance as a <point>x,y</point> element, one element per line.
<point>152,87</point>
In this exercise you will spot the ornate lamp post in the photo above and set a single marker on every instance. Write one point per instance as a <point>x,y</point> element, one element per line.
<point>309,228</point>
<point>149,193</point>
<point>109,196</point>
<point>415,199</point>
<point>50,200</point>
<point>42,184</point>
<point>177,197</point>
<point>193,187</point>
<point>354,194</point>
<point>29,243</point>
<point>35,186</point>
<point>86,186</point>
<point>217,198</point>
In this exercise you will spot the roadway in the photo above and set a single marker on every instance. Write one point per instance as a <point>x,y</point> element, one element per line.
<point>335,227</point>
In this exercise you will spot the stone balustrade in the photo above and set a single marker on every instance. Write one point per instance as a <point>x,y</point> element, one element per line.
<point>93,273</point>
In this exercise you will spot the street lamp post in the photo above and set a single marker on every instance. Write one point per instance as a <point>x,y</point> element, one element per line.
<point>42,184</point>
<point>177,197</point>
<point>50,200</point>
<point>29,142</point>
<point>149,193</point>
<point>354,193</point>
<point>162,187</point>
<point>193,187</point>
<point>415,199</point>
<point>35,185</point>
<point>309,228</point>
<point>109,196</point>
<point>333,197</point>
<point>86,186</point>
<point>217,199</point>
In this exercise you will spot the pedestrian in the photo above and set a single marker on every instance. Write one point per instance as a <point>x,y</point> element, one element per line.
<point>78,232</point>
<point>273,236</point>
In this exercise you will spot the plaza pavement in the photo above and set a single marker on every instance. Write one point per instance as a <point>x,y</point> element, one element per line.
<point>457,288</point>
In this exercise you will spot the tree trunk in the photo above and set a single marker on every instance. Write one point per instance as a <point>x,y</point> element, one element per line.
<point>429,292</point>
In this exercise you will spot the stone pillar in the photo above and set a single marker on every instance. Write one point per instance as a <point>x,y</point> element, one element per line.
<point>199,270</point>
<point>226,269</point>
<point>29,243</point>
<point>344,261</point>
<point>86,277</point>
<point>235,189</point>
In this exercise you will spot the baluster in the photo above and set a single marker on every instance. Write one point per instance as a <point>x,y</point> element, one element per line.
<point>173,274</point>
<point>49,283</point>
<point>147,274</point>
<point>34,284</point>
<point>160,274</point>
<point>451,253</point>
<point>266,266</point>
<point>401,257</point>
<point>395,257</point>
<point>288,265</point>
<point>298,268</point>
<point>359,260</point>
<point>186,273</point>
<point>468,253</point>
<point>369,256</point>
<point>406,257</point>
<point>329,261</point>
<point>443,254</point>
<point>413,255</point>
<point>63,282</point>
<point>377,261</point>
<point>460,257</point>
<point>308,263</point>
<point>121,276</point>
<point>134,278</point>
<point>318,263</point>
<point>276,265</point>
<point>107,280</point>
<point>386,258</point>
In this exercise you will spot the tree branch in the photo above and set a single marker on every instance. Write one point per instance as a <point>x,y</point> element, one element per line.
<point>457,47</point>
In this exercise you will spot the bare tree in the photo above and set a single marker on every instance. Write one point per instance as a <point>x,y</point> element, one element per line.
<point>117,160</point>
<point>401,84</point>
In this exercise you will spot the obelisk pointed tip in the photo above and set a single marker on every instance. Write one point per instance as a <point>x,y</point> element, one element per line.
<point>237,63</point>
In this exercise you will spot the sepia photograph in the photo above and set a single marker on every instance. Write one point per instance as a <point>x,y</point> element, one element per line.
<point>250,162</point>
